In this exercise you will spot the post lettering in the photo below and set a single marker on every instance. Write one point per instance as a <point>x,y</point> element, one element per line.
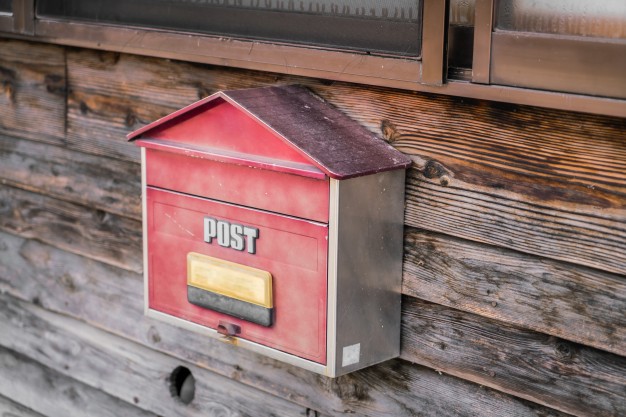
<point>236,240</point>
<point>252,233</point>
<point>230,235</point>
<point>223,233</point>
<point>210,229</point>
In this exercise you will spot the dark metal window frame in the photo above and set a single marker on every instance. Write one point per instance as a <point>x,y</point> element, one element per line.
<point>21,20</point>
<point>375,32</point>
<point>540,61</point>
<point>425,75</point>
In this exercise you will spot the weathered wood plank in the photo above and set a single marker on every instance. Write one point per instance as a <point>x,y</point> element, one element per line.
<point>540,181</point>
<point>574,303</point>
<point>579,304</point>
<point>53,394</point>
<point>526,140</point>
<point>9,408</point>
<point>111,298</point>
<point>572,378</point>
<point>32,90</point>
<point>93,233</point>
<point>580,233</point>
<point>126,370</point>
<point>101,183</point>
<point>113,94</point>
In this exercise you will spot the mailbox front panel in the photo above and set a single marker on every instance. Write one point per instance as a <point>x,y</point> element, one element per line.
<point>293,251</point>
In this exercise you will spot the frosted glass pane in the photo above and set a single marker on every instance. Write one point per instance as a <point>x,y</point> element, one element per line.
<point>606,18</point>
<point>374,9</point>
<point>462,12</point>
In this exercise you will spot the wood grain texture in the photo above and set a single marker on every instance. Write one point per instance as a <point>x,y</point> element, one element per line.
<point>32,90</point>
<point>10,408</point>
<point>559,299</point>
<point>104,184</point>
<point>93,233</point>
<point>579,304</point>
<point>572,378</point>
<point>126,370</point>
<point>53,394</point>
<point>574,303</point>
<point>582,234</point>
<point>549,186</point>
<point>113,94</point>
<point>545,182</point>
<point>111,298</point>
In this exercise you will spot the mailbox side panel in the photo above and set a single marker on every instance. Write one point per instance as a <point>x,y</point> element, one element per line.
<point>369,216</point>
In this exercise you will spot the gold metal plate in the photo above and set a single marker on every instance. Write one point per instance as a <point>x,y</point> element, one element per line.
<point>230,279</point>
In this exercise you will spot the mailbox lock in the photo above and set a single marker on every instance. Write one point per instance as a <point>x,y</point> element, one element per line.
<point>228,329</point>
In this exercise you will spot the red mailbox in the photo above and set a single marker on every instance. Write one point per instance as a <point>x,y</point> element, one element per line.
<point>274,222</point>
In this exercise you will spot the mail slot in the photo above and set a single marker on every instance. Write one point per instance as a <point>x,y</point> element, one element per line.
<point>273,222</point>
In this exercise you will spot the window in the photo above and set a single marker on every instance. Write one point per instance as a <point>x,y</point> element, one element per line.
<point>576,46</point>
<point>461,38</point>
<point>374,26</point>
<point>598,19</point>
<point>518,51</point>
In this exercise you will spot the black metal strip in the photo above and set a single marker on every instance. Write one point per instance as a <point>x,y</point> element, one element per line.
<point>231,306</point>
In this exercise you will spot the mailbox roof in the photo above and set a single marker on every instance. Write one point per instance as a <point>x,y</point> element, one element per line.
<point>333,142</point>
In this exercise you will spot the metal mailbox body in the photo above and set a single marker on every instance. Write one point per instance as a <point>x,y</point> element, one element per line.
<point>274,222</point>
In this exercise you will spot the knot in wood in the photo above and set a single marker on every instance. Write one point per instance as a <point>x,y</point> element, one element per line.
<point>109,58</point>
<point>563,349</point>
<point>203,91</point>
<point>9,90</point>
<point>8,80</point>
<point>7,75</point>
<point>68,282</point>
<point>389,130</point>
<point>55,84</point>
<point>434,169</point>
<point>84,108</point>
<point>130,119</point>
<point>348,389</point>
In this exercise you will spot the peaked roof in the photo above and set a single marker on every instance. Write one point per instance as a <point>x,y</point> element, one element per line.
<point>336,144</point>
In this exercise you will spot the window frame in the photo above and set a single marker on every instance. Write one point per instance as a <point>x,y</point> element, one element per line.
<point>21,20</point>
<point>538,61</point>
<point>286,58</point>
<point>425,75</point>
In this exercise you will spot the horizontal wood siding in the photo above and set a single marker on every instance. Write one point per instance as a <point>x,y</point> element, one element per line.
<point>74,287</point>
<point>92,232</point>
<point>567,376</point>
<point>51,393</point>
<point>9,408</point>
<point>514,270</point>
<point>580,304</point>
<point>33,91</point>
<point>68,175</point>
<point>121,368</point>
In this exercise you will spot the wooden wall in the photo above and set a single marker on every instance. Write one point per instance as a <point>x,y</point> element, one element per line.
<point>514,270</point>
